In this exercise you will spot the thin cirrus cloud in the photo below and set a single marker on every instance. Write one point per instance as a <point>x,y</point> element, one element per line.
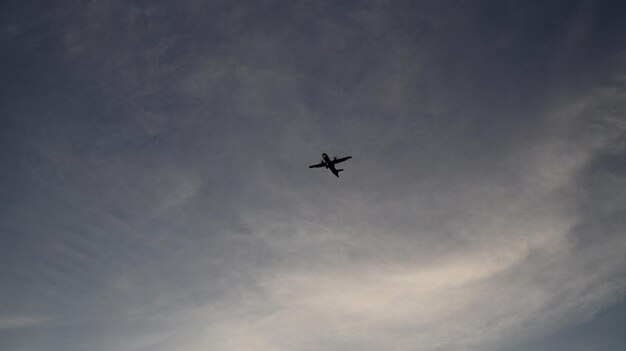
<point>159,198</point>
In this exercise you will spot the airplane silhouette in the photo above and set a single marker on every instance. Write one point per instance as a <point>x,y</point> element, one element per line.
<point>330,164</point>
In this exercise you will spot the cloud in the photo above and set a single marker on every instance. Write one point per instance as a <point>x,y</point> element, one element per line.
<point>22,322</point>
<point>164,200</point>
<point>516,269</point>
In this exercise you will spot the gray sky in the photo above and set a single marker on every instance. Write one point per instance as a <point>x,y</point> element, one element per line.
<point>155,191</point>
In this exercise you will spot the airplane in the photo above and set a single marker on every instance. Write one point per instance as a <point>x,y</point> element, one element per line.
<point>330,164</point>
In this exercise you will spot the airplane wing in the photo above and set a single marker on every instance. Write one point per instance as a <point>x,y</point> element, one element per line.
<point>321,164</point>
<point>341,159</point>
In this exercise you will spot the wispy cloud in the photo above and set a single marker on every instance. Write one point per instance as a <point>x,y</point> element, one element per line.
<point>159,197</point>
<point>23,322</point>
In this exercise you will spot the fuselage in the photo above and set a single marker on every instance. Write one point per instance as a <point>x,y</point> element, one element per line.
<point>330,165</point>
<point>326,160</point>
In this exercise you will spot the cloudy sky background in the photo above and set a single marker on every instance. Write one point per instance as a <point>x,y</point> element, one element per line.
<point>155,191</point>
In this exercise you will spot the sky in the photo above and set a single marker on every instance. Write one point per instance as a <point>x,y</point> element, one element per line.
<point>155,191</point>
